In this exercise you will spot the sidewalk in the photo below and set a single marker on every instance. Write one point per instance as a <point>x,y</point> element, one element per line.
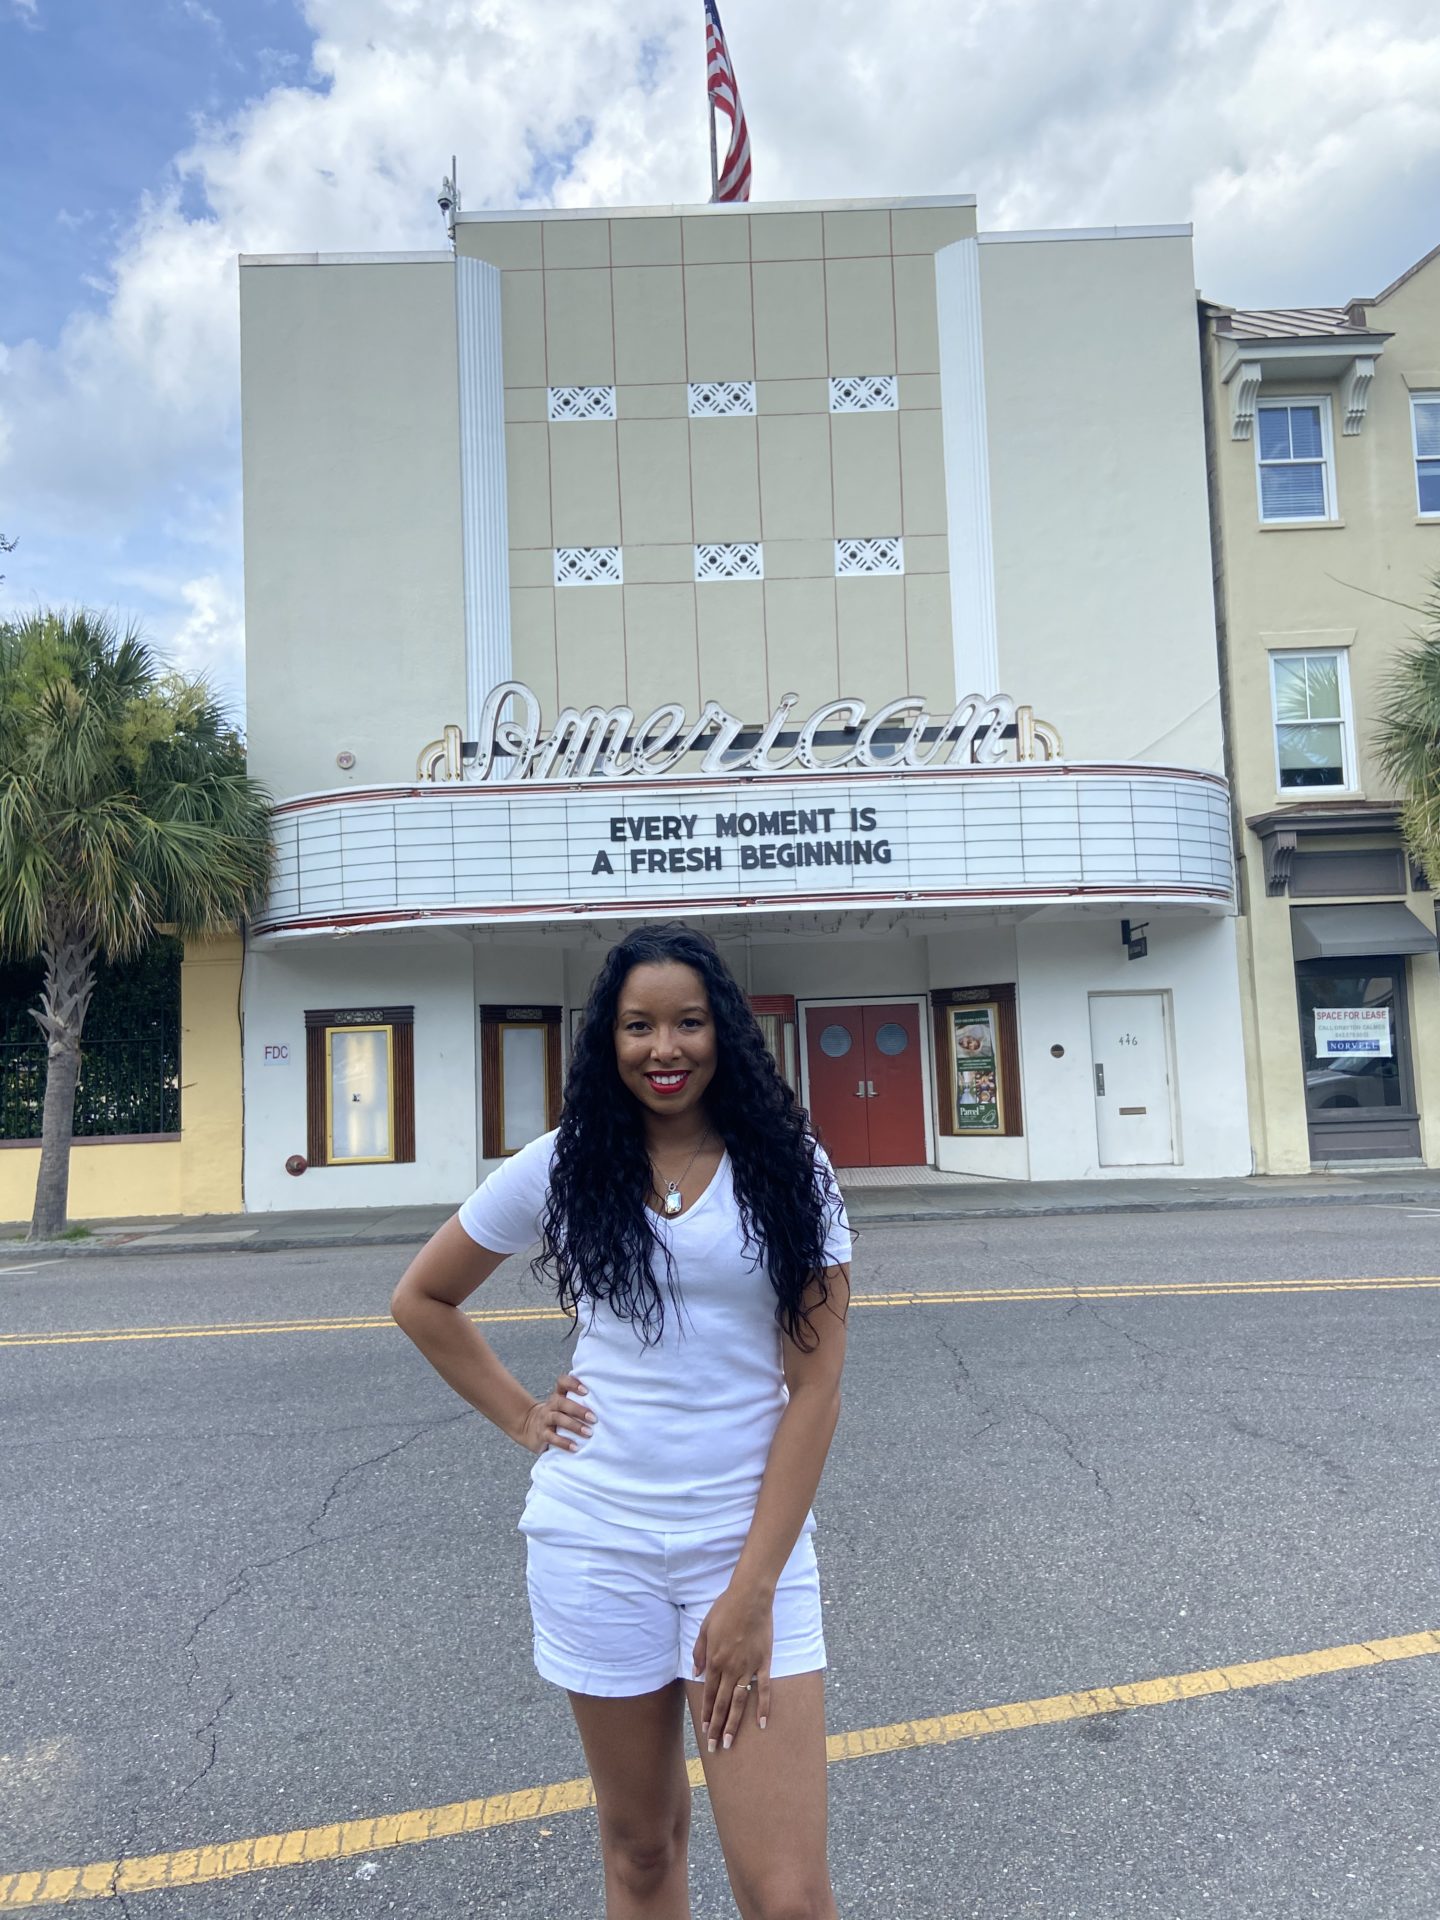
<point>868,1206</point>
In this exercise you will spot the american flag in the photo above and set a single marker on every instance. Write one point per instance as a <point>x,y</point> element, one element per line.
<point>734,180</point>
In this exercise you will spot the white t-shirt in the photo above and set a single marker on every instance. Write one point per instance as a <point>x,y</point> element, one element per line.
<point>682,1428</point>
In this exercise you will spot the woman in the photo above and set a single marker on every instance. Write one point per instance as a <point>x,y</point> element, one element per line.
<point>689,1220</point>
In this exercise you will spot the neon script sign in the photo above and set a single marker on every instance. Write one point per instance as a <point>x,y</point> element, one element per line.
<point>605,743</point>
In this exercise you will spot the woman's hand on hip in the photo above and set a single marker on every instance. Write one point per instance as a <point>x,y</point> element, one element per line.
<point>560,1420</point>
<point>732,1653</point>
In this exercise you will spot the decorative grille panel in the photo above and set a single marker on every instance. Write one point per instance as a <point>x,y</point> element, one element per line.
<point>588,567</point>
<point>869,556</point>
<point>721,399</point>
<point>864,393</point>
<point>735,560</point>
<point>582,403</point>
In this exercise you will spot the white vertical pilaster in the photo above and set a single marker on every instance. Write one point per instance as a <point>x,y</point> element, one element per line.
<point>967,468</point>
<point>484,512</point>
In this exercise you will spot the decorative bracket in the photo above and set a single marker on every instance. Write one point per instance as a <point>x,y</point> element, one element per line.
<point>1279,851</point>
<point>1355,391</point>
<point>1244,380</point>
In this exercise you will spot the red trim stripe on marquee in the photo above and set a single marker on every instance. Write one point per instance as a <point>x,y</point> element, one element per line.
<point>734,182</point>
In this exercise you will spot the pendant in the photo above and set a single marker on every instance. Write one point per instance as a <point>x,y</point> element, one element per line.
<point>673,1201</point>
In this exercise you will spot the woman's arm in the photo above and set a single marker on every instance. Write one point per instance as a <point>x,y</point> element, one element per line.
<point>735,1641</point>
<point>426,1305</point>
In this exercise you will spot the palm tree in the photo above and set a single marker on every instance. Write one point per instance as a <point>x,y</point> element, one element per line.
<point>1408,738</point>
<point>125,808</point>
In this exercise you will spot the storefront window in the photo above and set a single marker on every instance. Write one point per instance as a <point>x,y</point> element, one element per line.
<point>359,1085</point>
<point>1349,1038</point>
<point>519,1077</point>
<point>522,1086</point>
<point>775,1017</point>
<point>361,1095</point>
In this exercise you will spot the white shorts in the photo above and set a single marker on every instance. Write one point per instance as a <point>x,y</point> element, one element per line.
<point>616,1609</point>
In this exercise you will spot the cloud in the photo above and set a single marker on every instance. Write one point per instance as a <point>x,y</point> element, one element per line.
<point>208,636</point>
<point>1302,136</point>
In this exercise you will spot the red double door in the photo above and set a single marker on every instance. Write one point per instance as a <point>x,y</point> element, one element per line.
<point>867,1088</point>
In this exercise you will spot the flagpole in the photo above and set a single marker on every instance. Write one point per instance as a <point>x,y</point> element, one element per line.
<point>714,148</point>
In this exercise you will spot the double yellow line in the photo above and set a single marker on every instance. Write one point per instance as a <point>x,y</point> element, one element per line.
<point>928,1297</point>
<point>304,1846</point>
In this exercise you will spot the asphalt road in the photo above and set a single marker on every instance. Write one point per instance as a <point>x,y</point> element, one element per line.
<point>264,1581</point>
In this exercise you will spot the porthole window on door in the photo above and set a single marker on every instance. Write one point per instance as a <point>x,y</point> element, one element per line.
<point>892,1038</point>
<point>836,1041</point>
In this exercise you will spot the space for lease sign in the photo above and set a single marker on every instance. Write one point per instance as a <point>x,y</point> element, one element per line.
<point>1352,1030</point>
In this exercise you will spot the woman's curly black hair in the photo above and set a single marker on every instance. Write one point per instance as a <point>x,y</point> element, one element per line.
<point>599,1239</point>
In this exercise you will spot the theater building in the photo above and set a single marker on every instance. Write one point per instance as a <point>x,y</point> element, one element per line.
<point>1325,453</point>
<point>835,577</point>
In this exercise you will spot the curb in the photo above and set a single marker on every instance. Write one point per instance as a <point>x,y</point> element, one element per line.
<point>127,1250</point>
<point>1038,1210</point>
<point>1199,1203</point>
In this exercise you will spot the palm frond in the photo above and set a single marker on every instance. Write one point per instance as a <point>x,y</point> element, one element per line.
<point>1407,738</point>
<point>124,802</point>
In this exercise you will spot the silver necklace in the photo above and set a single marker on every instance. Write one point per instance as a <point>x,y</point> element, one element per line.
<point>673,1200</point>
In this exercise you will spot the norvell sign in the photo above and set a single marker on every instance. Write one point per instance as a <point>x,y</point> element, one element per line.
<point>604,743</point>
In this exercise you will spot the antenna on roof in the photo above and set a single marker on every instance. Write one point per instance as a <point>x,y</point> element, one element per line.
<point>448,198</point>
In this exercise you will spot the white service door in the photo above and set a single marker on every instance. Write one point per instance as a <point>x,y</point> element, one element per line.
<point>1130,1049</point>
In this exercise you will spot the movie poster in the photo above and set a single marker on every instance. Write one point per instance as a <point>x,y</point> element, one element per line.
<point>975,1058</point>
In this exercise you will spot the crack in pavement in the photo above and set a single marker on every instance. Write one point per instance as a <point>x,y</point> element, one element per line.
<point>1072,1451</point>
<point>378,1459</point>
<point>1194,1511</point>
<point>964,1385</point>
<point>208,1732</point>
<point>1151,1358</point>
<point>122,1853</point>
<point>1306,1449</point>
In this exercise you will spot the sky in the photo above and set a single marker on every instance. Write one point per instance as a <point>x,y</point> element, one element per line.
<point>144,144</point>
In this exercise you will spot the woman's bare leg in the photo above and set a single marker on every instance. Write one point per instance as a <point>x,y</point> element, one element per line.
<point>635,1750</point>
<point>769,1797</point>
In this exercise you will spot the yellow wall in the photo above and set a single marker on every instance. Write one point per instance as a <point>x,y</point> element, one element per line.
<point>1329,585</point>
<point>200,1172</point>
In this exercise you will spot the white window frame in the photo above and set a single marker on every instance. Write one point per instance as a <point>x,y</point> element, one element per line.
<point>1432,400</point>
<point>1341,656</point>
<point>1327,451</point>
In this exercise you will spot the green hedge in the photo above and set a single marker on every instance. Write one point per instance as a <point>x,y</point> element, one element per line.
<point>129,1054</point>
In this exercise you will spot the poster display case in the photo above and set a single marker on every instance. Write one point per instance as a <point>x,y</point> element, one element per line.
<point>977,1060</point>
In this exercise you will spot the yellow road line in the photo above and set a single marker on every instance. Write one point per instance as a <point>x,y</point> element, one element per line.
<point>931,1297</point>
<point>196,1866</point>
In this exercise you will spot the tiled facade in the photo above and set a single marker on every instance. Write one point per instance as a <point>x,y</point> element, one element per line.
<point>655,308</point>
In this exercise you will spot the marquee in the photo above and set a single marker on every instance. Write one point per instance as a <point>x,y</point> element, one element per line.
<point>975,834</point>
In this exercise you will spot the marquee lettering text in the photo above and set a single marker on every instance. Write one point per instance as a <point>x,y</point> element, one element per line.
<point>605,743</point>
